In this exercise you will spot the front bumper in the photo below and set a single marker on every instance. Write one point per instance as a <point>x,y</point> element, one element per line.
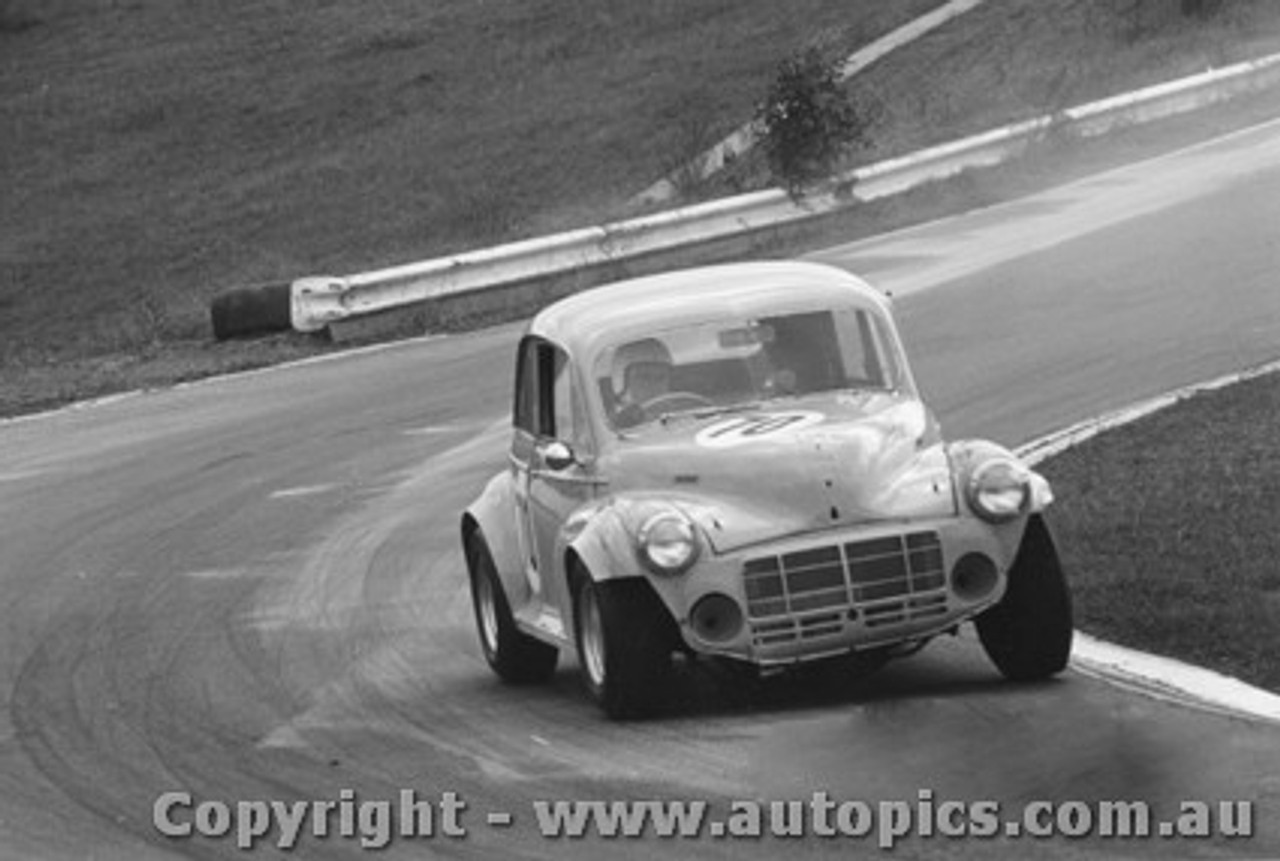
<point>825,594</point>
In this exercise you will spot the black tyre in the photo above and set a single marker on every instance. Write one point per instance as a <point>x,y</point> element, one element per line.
<point>516,657</point>
<point>252,311</point>
<point>625,639</point>
<point>1028,634</point>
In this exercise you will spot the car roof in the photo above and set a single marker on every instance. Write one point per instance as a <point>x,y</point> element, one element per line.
<point>643,305</point>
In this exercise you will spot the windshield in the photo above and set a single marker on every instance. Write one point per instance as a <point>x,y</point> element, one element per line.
<point>718,366</point>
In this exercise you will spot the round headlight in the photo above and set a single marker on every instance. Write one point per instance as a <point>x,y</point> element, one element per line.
<point>668,543</point>
<point>999,490</point>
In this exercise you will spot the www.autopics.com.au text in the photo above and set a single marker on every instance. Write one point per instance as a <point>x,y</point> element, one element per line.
<point>375,823</point>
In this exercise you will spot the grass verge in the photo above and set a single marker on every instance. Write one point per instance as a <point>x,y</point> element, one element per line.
<point>1170,527</point>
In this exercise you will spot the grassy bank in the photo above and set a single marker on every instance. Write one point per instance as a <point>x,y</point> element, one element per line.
<point>1171,530</point>
<point>154,155</point>
<point>156,152</point>
<point>1009,60</point>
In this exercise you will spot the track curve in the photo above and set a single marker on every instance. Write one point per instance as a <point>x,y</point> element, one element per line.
<point>251,588</point>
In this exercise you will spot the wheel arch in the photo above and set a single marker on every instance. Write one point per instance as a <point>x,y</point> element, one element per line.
<point>575,571</point>
<point>598,545</point>
<point>489,518</point>
<point>470,528</point>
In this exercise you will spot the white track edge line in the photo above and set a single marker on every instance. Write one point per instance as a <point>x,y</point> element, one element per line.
<point>1156,676</point>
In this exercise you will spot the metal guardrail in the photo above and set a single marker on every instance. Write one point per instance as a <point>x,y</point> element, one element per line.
<point>317,302</point>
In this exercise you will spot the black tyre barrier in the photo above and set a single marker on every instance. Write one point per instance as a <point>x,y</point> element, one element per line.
<point>252,310</point>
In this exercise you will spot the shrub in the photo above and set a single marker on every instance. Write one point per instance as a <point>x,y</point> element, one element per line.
<point>807,123</point>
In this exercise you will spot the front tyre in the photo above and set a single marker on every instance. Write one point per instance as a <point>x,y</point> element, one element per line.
<point>624,639</point>
<point>516,657</point>
<point>1028,634</point>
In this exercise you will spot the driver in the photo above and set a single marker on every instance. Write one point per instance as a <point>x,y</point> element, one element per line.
<point>645,370</point>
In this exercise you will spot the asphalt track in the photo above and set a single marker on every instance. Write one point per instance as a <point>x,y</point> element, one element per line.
<point>250,588</point>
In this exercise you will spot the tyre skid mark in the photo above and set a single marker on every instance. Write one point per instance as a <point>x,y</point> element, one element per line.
<point>402,613</point>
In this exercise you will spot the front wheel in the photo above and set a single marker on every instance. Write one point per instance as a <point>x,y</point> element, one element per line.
<point>624,639</point>
<point>1028,634</point>
<point>515,656</point>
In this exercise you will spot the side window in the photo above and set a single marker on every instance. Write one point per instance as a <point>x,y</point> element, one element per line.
<point>525,410</point>
<point>562,397</point>
<point>544,391</point>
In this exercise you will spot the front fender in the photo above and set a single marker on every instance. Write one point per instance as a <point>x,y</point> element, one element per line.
<point>599,543</point>
<point>601,534</point>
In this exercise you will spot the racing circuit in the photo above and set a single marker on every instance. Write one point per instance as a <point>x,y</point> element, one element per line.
<point>252,587</point>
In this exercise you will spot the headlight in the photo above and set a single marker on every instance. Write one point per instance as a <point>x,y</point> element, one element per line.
<point>668,543</point>
<point>999,490</point>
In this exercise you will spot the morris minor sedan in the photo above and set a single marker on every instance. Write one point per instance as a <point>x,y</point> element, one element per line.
<point>734,461</point>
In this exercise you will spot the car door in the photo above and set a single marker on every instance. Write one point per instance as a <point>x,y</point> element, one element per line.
<point>557,489</point>
<point>523,443</point>
<point>547,411</point>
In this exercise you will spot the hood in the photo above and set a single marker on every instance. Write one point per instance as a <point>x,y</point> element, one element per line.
<point>792,467</point>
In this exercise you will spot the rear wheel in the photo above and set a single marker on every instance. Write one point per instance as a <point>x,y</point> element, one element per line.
<point>1028,634</point>
<point>625,640</point>
<point>515,656</point>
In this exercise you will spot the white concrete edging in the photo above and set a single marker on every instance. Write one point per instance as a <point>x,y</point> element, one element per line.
<point>319,301</point>
<point>1154,675</point>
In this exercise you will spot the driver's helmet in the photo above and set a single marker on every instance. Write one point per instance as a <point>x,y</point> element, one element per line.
<point>638,357</point>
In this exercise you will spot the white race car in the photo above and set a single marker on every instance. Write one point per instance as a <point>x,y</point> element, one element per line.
<point>734,461</point>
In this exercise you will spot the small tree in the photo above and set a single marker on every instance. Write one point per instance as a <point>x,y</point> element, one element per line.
<point>807,122</point>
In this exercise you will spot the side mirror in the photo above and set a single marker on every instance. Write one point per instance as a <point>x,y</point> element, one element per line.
<point>557,456</point>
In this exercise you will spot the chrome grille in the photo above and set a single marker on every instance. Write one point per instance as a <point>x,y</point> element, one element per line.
<point>883,578</point>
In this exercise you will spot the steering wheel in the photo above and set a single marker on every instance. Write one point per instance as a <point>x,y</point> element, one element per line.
<point>670,401</point>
